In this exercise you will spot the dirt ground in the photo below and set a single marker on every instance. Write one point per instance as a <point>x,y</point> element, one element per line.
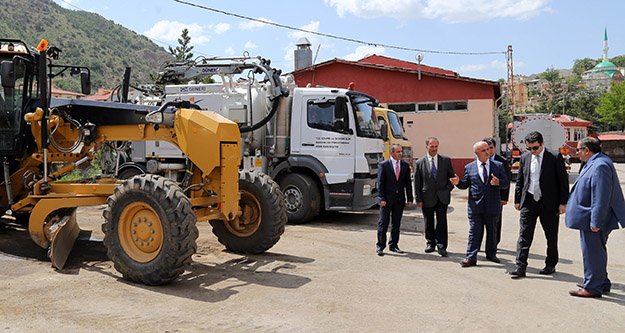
<point>321,276</point>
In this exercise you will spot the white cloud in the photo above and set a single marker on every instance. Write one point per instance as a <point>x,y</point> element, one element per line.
<point>498,64</point>
<point>229,51</point>
<point>472,68</point>
<point>399,9</point>
<point>254,25</point>
<point>448,11</point>
<point>220,28</point>
<point>250,45</point>
<point>364,51</point>
<point>170,31</point>
<point>312,26</point>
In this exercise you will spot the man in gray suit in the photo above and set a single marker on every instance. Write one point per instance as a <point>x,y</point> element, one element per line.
<point>433,193</point>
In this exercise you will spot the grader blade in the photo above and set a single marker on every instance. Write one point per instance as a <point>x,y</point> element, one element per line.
<point>63,235</point>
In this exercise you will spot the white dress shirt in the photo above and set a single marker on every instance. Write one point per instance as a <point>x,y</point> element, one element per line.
<point>535,165</point>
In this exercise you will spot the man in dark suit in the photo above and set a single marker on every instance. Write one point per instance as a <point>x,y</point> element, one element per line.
<point>433,193</point>
<point>542,189</point>
<point>595,208</point>
<point>395,192</point>
<point>505,193</point>
<point>484,178</point>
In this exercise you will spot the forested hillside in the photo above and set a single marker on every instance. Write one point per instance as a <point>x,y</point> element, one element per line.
<point>85,39</point>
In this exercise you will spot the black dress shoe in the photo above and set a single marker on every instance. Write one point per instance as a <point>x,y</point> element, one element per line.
<point>468,263</point>
<point>604,290</point>
<point>379,251</point>
<point>517,273</point>
<point>429,249</point>
<point>493,259</point>
<point>396,250</point>
<point>443,252</point>
<point>548,270</point>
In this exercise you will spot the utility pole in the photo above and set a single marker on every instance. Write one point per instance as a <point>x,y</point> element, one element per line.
<point>510,89</point>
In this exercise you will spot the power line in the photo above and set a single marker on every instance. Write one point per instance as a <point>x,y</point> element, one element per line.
<point>347,39</point>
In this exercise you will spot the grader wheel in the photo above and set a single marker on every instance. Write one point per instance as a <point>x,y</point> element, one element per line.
<point>262,221</point>
<point>150,230</point>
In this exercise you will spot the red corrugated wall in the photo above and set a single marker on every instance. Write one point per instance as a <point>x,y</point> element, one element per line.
<point>391,86</point>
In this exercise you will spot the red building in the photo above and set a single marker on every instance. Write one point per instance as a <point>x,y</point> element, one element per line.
<point>432,101</point>
<point>576,129</point>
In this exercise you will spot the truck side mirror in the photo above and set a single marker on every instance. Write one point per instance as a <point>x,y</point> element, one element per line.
<point>85,82</point>
<point>7,74</point>
<point>384,131</point>
<point>340,107</point>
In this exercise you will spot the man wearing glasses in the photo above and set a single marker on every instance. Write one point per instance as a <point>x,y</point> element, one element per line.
<point>541,192</point>
<point>596,207</point>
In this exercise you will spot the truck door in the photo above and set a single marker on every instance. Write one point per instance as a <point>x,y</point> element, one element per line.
<point>327,136</point>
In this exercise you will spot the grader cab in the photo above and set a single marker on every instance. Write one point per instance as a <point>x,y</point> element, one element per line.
<point>150,221</point>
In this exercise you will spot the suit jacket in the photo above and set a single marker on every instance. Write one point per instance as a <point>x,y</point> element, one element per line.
<point>596,197</point>
<point>554,181</point>
<point>484,198</point>
<point>390,189</point>
<point>428,189</point>
<point>505,193</point>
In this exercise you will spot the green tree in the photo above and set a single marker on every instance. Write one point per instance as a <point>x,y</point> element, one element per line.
<point>612,106</point>
<point>182,52</point>
<point>619,61</point>
<point>582,65</point>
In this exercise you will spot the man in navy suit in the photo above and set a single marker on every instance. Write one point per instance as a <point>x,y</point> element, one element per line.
<point>395,192</point>
<point>542,189</point>
<point>595,208</point>
<point>485,179</point>
<point>505,193</point>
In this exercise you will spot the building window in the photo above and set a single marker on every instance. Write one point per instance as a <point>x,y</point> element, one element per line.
<point>402,107</point>
<point>452,106</point>
<point>430,106</point>
<point>578,134</point>
<point>425,107</point>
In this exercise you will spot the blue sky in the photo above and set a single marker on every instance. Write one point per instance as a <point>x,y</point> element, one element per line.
<point>543,33</point>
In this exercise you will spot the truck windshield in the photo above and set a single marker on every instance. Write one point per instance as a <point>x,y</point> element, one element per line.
<point>396,128</point>
<point>366,122</point>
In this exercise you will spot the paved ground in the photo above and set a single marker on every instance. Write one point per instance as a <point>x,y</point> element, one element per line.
<point>323,276</point>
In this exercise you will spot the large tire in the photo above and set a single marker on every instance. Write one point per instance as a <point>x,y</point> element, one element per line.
<point>149,230</point>
<point>303,200</point>
<point>262,221</point>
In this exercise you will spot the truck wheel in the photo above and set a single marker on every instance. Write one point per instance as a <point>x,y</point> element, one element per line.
<point>149,230</point>
<point>303,200</point>
<point>262,221</point>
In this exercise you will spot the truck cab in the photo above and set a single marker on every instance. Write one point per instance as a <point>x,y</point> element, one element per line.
<point>392,132</point>
<point>335,148</point>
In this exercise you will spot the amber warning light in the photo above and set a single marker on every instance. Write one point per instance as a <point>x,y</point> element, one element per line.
<point>43,45</point>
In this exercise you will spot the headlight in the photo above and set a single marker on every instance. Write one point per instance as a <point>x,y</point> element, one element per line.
<point>366,190</point>
<point>154,117</point>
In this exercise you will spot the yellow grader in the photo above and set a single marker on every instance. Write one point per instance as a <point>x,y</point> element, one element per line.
<point>149,221</point>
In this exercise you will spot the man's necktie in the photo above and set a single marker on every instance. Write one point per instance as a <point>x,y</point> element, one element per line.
<point>433,169</point>
<point>537,193</point>
<point>397,170</point>
<point>484,173</point>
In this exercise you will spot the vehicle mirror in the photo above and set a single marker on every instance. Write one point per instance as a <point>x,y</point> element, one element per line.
<point>340,109</point>
<point>384,131</point>
<point>85,82</point>
<point>7,74</point>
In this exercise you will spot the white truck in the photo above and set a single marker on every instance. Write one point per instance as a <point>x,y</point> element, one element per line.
<point>554,136</point>
<point>322,145</point>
